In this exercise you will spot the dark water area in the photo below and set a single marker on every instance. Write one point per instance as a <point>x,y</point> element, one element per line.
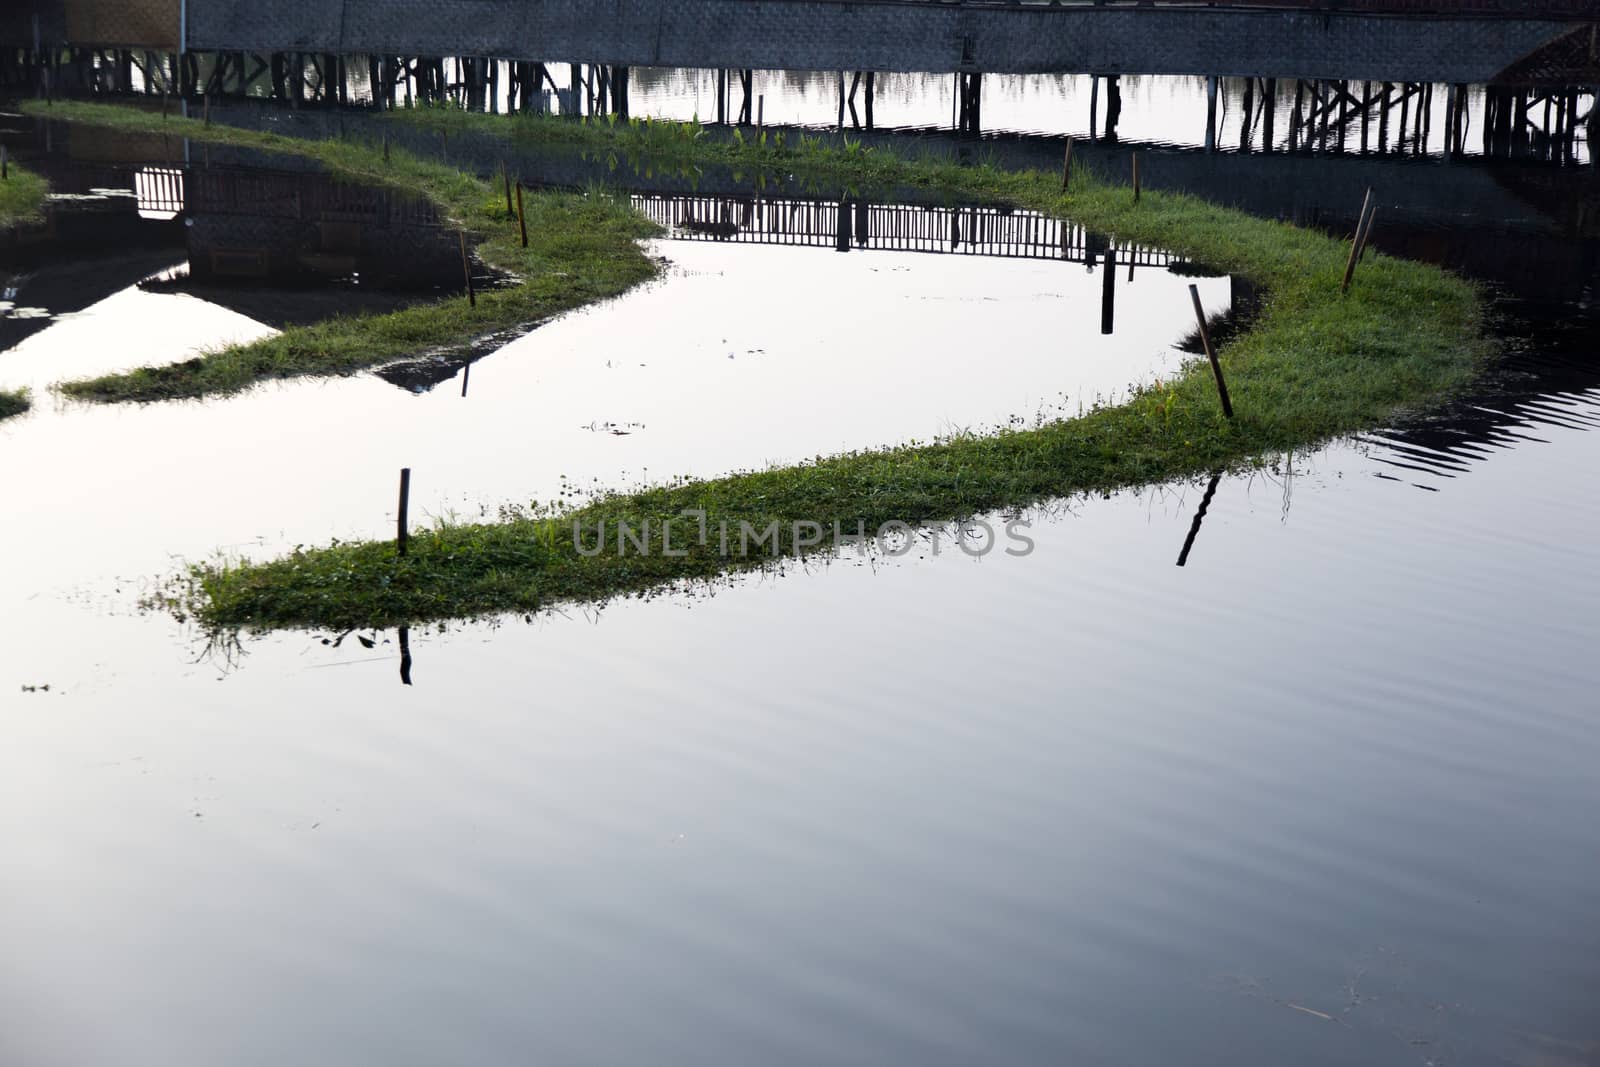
<point>1289,765</point>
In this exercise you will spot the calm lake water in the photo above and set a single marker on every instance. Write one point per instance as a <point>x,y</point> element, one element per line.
<point>1322,795</point>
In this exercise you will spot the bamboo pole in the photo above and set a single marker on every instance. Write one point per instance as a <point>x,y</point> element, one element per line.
<point>1211,353</point>
<point>1356,241</point>
<point>466,268</point>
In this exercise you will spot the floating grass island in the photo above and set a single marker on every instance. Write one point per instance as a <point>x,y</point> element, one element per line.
<point>1315,363</point>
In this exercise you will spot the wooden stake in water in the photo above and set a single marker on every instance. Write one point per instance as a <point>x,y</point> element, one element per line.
<point>1211,353</point>
<point>466,268</point>
<point>402,531</point>
<point>522,216</point>
<point>1066,167</point>
<point>1356,241</point>
<point>1135,177</point>
<point>761,110</point>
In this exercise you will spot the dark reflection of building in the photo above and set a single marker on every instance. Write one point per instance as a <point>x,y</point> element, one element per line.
<point>281,244</point>
<point>287,228</point>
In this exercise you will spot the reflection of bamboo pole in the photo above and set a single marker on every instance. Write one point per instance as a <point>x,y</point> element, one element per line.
<point>1211,353</point>
<point>1199,517</point>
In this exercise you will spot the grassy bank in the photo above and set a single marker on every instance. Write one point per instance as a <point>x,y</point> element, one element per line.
<point>13,402</point>
<point>22,196</point>
<point>582,248</point>
<point>1314,364</point>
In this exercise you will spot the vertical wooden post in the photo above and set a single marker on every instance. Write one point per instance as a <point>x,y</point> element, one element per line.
<point>5,163</point>
<point>522,216</point>
<point>1211,353</point>
<point>205,110</point>
<point>1355,241</point>
<point>1135,177</point>
<point>1066,167</point>
<point>386,148</point>
<point>761,110</point>
<point>466,268</point>
<point>402,529</point>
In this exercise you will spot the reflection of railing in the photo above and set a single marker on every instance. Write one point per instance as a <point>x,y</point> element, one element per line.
<point>159,191</point>
<point>979,231</point>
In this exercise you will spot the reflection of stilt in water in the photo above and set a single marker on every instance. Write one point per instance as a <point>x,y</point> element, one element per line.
<point>466,375</point>
<point>1248,118</point>
<point>1108,291</point>
<point>1199,517</point>
<point>1113,106</point>
<point>1211,113</point>
<point>969,104</point>
<point>405,655</point>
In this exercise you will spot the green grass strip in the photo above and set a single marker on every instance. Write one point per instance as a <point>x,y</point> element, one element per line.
<point>1313,365</point>
<point>22,196</point>
<point>582,248</point>
<point>13,402</point>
